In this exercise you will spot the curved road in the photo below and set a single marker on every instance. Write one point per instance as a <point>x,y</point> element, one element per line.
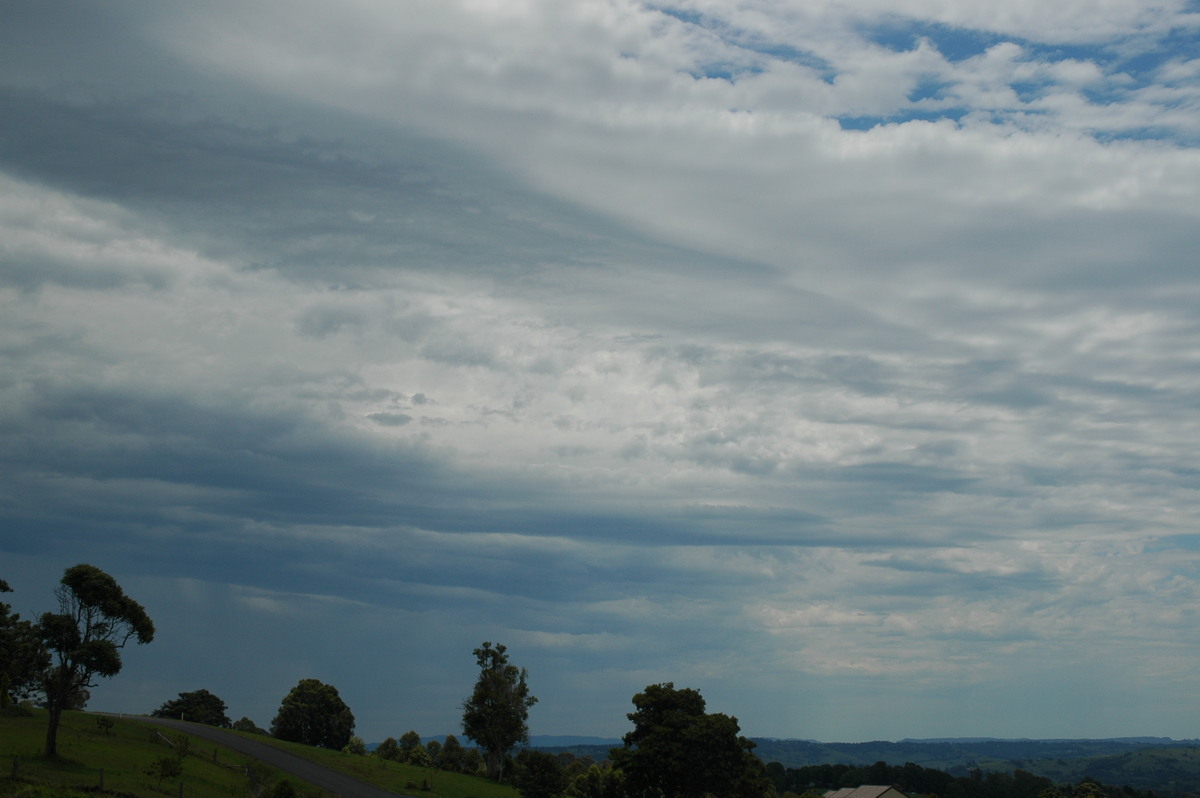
<point>337,783</point>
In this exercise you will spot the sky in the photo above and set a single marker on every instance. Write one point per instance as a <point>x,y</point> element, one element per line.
<point>839,360</point>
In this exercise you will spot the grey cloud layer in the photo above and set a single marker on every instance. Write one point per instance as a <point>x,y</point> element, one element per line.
<point>451,323</point>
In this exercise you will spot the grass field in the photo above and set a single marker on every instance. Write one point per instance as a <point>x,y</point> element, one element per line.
<point>120,759</point>
<point>402,778</point>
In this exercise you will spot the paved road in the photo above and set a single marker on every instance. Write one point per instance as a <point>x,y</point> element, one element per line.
<point>319,775</point>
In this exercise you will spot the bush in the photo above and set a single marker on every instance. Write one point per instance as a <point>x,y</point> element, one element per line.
<point>21,710</point>
<point>167,767</point>
<point>283,789</point>
<point>247,725</point>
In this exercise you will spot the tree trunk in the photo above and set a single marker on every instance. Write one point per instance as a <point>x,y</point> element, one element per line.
<point>495,762</point>
<point>52,729</point>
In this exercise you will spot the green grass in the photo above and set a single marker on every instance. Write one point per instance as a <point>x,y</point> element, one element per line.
<point>127,752</point>
<point>121,757</point>
<point>399,777</point>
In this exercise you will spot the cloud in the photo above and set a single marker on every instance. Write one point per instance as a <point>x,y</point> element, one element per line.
<point>795,354</point>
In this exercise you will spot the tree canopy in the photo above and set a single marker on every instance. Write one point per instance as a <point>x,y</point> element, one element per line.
<point>198,706</point>
<point>677,750</point>
<point>95,620</point>
<point>314,714</point>
<point>23,657</point>
<point>246,725</point>
<point>495,714</point>
<point>536,774</point>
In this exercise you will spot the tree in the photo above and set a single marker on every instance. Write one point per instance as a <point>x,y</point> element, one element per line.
<point>472,763</point>
<point>388,749</point>
<point>419,757</point>
<point>23,657</point>
<point>537,774</point>
<point>598,782</point>
<point>167,767</point>
<point>677,750</point>
<point>198,706</point>
<point>95,620</point>
<point>450,757</point>
<point>410,741</point>
<point>244,724</point>
<point>495,714</point>
<point>314,714</point>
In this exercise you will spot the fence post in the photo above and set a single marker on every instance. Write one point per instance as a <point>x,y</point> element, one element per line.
<point>101,779</point>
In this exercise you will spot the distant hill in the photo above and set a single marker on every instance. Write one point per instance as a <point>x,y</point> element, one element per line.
<point>958,755</point>
<point>1167,766</point>
<point>570,741</point>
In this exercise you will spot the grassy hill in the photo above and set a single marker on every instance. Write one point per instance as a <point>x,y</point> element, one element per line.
<point>119,760</point>
<point>1167,771</point>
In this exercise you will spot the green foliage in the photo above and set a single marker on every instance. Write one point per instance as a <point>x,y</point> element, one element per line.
<point>244,724</point>
<point>677,750</point>
<point>95,620</point>
<point>495,714</point>
<point>182,745</point>
<point>23,657</point>
<point>410,741</point>
<point>166,767</point>
<point>473,764</point>
<point>356,746</point>
<point>537,774</point>
<point>419,757</point>
<point>198,706</point>
<point>598,782</point>
<point>451,755</point>
<point>314,714</point>
<point>105,724</point>
<point>389,749</point>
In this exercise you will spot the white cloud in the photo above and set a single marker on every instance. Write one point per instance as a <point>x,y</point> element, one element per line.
<point>590,329</point>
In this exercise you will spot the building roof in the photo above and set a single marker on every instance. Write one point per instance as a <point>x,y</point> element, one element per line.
<point>866,791</point>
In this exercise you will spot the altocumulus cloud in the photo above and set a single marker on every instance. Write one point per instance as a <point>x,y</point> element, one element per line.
<point>836,359</point>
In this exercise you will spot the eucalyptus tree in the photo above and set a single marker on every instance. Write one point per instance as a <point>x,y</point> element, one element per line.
<point>496,713</point>
<point>95,620</point>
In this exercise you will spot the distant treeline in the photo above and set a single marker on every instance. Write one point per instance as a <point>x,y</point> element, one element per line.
<point>1168,772</point>
<point>955,756</point>
<point>914,779</point>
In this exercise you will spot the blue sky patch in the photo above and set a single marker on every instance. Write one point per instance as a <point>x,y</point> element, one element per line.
<point>867,122</point>
<point>792,55</point>
<point>928,90</point>
<point>956,44</point>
